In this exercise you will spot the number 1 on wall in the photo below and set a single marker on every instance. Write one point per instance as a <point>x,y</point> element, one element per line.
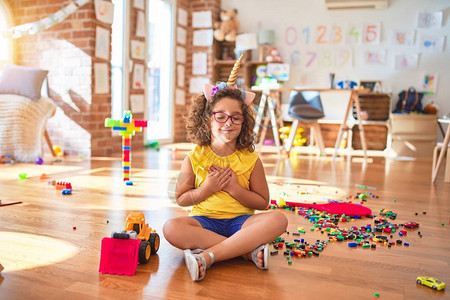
<point>305,31</point>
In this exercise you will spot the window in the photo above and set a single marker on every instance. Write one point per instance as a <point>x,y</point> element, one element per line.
<point>118,80</point>
<point>6,43</point>
<point>159,83</point>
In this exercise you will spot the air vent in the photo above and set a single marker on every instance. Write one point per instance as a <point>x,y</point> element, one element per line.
<point>356,4</point>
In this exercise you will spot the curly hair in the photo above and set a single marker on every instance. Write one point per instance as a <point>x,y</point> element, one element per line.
<point>198,125</point>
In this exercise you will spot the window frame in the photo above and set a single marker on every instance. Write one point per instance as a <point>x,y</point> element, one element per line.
<point>125,60</point>
<point>6,9</point>
<point>174,5</point>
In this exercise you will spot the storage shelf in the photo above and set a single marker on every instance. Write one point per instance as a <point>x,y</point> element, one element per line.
<point>218,62</point>
<point>222,67</point>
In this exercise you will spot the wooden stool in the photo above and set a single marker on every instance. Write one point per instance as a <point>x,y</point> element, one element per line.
<point>436,153</point>
<point>444,148</point>
<point>271,98</point>
<point>315,136</point>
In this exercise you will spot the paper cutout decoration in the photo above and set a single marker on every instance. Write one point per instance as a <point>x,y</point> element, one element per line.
<point>102,43</point>
<point>202,19</point>
<point>403,37</point>
<point>182,17</point>
<point>429,85</point>
<point>199,63</point>
<point>406,61</point>
<point>139,4</point>
<point>138,76</point>
<point>181,35</point>
<point>180,75</point>
<point>137,49</point>
<point>101,79</point>
<point>180,55</point>
<point>431,43</point>
<point>180,97</point>
<point>203,37</point>
<point>104,11</point>
<point>140,24</point>
<point>429,20</point>
<point>44,24</point>
<point>137,103</point>
<point>373,57</point>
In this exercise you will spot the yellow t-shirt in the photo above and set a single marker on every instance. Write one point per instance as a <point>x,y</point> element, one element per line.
<point>221,205</point>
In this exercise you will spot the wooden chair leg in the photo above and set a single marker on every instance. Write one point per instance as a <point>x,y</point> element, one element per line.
<point>436,152</point>
<point>291,137</point>
<point>49,142</point>
<point>319,138</point>
<point>447,167</point>
<point>312,135</point>
<point>435,156</point>
<point>442,154</point>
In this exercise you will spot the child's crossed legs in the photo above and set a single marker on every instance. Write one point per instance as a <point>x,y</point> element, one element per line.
<point>259,229</point>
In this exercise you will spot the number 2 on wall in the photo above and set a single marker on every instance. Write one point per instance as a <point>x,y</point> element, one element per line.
<point>321,32</point>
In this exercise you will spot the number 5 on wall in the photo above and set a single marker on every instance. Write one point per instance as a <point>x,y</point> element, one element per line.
<point>372,33</point>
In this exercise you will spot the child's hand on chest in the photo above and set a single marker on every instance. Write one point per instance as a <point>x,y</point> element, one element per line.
<point>232,183</point>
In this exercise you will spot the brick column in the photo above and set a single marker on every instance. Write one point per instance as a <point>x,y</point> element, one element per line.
<point>137,141</point>
<point>193,6</point>
<point>67,50</point>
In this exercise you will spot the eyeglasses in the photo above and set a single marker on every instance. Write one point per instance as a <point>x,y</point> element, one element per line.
<point>222,117</point>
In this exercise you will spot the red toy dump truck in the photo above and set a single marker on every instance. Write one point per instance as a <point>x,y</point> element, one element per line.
<point>121,253</point>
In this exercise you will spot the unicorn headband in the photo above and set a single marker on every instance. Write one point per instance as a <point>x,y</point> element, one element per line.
<point>209,90</point>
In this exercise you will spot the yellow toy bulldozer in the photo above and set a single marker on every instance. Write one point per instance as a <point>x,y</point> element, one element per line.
<point>121,253</point>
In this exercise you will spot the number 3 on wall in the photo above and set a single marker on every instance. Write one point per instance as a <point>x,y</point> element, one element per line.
<point>372,34</point>
<point>337,35</point>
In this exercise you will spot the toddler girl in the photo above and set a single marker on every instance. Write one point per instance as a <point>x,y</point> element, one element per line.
<point>223,179</point>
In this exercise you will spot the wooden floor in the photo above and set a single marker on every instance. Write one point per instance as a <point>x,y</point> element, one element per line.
<point>44,258</point>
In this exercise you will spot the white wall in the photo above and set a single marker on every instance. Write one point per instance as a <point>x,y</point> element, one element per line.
<point>401,14</point>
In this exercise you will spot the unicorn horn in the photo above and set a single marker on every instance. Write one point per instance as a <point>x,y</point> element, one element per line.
<point>233,74</point>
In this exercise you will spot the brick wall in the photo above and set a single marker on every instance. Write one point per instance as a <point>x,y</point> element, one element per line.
<point>67,51</point>
<point>178,125</point>
<point>137,142</point>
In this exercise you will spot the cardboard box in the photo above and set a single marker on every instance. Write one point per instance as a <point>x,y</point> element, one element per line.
<point>413,135</point>
<point>413,148</point>
<point>407,124</point>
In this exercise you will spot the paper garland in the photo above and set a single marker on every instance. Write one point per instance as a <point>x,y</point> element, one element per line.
<point>44,24</point>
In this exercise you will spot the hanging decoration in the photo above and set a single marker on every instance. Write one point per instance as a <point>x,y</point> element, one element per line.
<point>44,24</point>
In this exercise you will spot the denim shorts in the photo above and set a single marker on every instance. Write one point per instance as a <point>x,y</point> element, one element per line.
<point>225,227</point>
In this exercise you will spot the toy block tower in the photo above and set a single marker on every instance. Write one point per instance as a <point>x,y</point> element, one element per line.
<point>126,128</point>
